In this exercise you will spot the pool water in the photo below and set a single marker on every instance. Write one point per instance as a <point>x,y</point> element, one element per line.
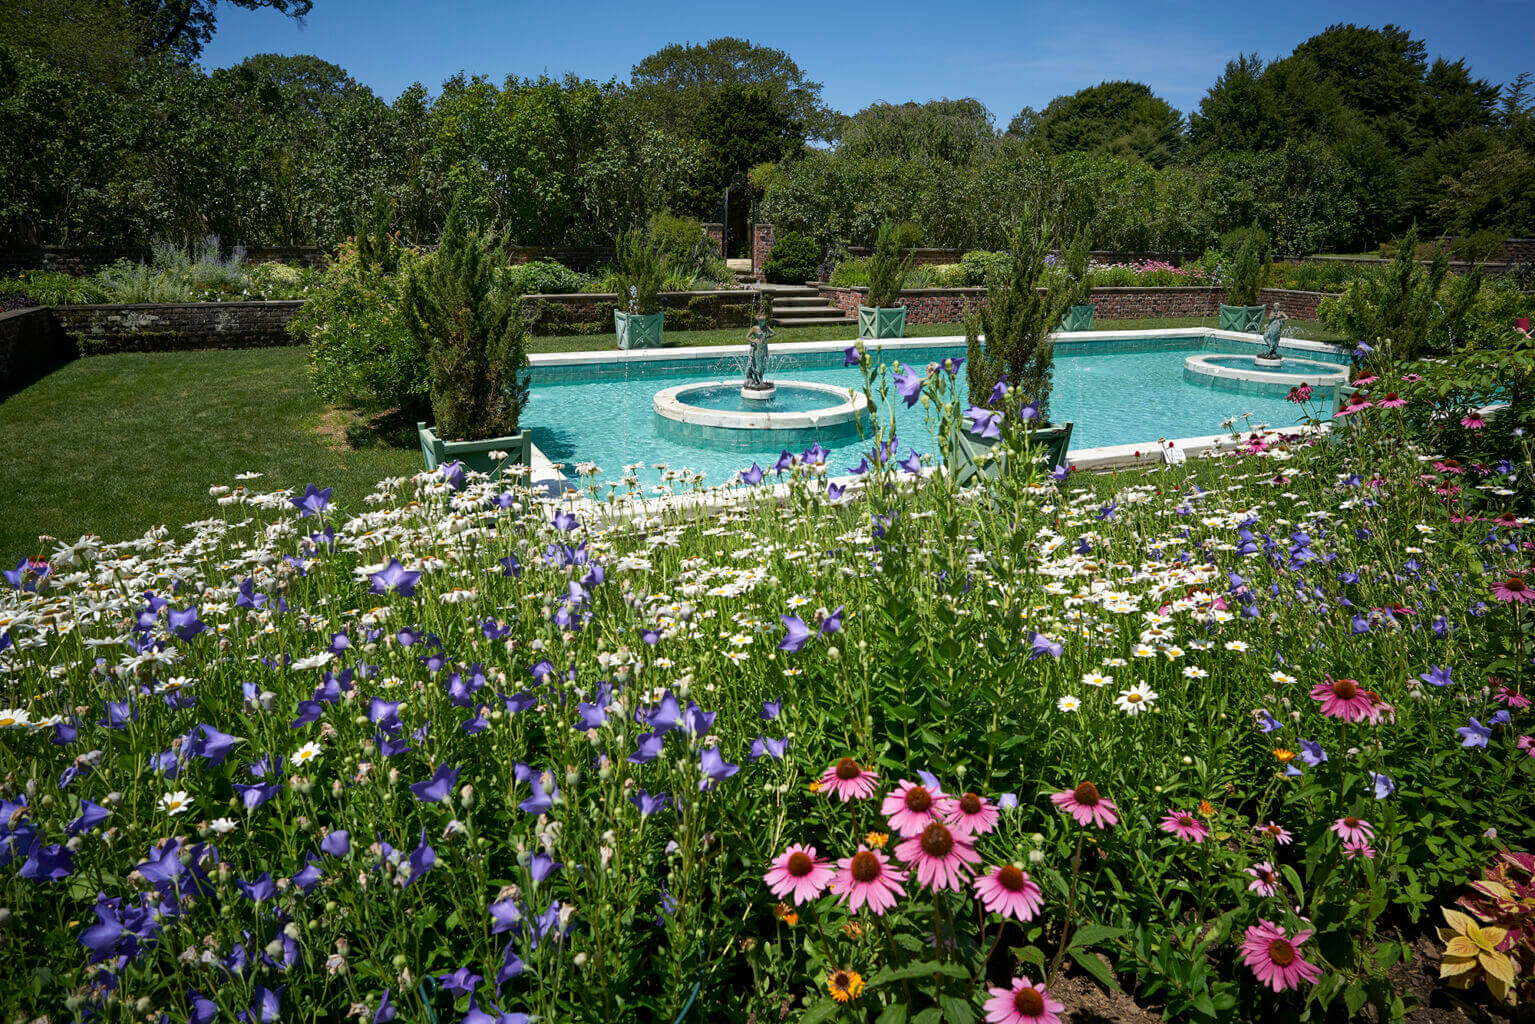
<point>786,398</point>
<point>1117,397</point>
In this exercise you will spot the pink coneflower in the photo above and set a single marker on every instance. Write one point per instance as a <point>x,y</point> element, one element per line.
<point>1359,849</point>
<point>1511,698</point>
<point>1513,589</point>
<point>1366,380</point>
<point>1355,403</point>
<point>1185,826</point>
<point>867,877</point>
<point>1343,698</point>
<point>1024,1003</point>
<point>1275,957</point>
<point>1275,832</point>
<point>849,780</point>
<point>912,807</point>
<point>941,856</point>
<point>1527,744</point>
<point>1009,891</point>
<point>1353,830</point>
<point>798,871</point>
<point>1300,393</point>
<point>971,812</point>
<point>1411,378</point>
<point>1392,401</point>
<point>1086,805</point>
<point>1471,421</point>
<point>1265,880</point>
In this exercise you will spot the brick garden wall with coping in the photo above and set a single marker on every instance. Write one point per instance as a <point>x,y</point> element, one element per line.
<point>175,327</point>
<point>950,305</point>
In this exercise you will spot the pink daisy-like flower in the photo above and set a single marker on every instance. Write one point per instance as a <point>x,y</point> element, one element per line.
<point>1410,378</point>
<point>1392,401</point>
<point>1527,744</point>
<point>1185,826</point>
<point>1513,589</point>
<point>1471,421</point>
<point>1356,403</point>
<point>1008,890</point>
<point>867,877</point>
<point>971,812</point>
<point>1366,380</point>
<point>1510,697</point>
<point>797,871</point>
<point>1265,880</point>
<point>1275,957</point>
<point>1353,830</point>
<point>1275,832</point>
<point>1359,849</point>
<point>912,807</point>
<point>1086,805</point>
<point>1024,1003</point>
<point>941,856</point>
<point>848,780</point>
<point>1343,698</point>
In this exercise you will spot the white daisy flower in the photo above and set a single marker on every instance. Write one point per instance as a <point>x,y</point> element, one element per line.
<point>14,718</point>
<point>175,803</point>
<point>221,826</point>
<point>1138,698</point>
<point>303,755</point>
<point>1097,679</point>
<point>1240,646</point>
<point>1194,672</point>
<point>1068,703</point>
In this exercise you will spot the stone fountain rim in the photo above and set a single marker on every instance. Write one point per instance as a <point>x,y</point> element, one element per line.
<point>669,404</point>
<point>1314,372</point>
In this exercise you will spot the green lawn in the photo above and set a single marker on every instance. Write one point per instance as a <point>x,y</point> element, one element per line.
<point>115,444</point>
<point>788,335</point>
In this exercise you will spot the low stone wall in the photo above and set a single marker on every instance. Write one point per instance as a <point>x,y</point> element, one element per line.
<point>923,257</point>
<point>592,313</point>
<point>177,327</point>
<point>31,344</point>
<point>950,305</point>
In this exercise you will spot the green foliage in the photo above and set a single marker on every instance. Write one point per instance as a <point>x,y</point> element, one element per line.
<point>1480,247</point>
<point>471,333</point>
<point>543,277</point>
<point>52,288</point>
<point>1008,338</point>
<point>1419,309</point>
<point>1246,256</point>
<point>981,265</point>
<point>889,268</point>
<point>1122,118</point>
<point>362,351</point>
<point>739,128</point>
<point>1498,370</point>
<point>794,259</point>
<point>640,272</point>
<point>197,273</point>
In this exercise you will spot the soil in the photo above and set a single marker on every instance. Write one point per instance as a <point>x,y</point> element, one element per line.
<point>1087,1003</point>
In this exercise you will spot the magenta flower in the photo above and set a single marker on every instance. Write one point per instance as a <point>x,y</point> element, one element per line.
<point>1024,1003</point>
<point>1086,805</point>
<point>1514,590</point>
<point>911,807</point>
<point>1343,698</point>
<point>1275,957</point>
<point>1265,880</point>
<point>867,877</point>
<point>798,871</point>
<point>1275,832</point>
<point>1359,849</point>
<point>971,812</point>
<point>1009,891</point>
<point>1392,401</point>
<point>1471,421</point>
<point>1353,830</point>
<point>1185,826</point>
<point>941,857</point>
<point>848,780</point>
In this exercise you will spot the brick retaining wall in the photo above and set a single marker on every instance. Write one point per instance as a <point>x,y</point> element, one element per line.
<point>177,327</point>
<point>950,305</point>
<point>929,256</point>
<point>592,312</point>
<point>31,344</point>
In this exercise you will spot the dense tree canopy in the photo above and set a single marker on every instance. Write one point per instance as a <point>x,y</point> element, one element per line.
<point>109,133</point>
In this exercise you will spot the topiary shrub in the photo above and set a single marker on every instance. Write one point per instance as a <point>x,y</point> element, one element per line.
<point>794,259</point>
<point>543,277</point>
<point>888,268</point>
<point>640,265</point>
<point>980,266</point>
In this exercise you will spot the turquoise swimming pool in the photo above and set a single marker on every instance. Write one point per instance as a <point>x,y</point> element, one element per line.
<point>1115,392</point>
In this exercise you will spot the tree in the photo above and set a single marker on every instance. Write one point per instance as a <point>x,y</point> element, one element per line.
<point>739,128</point>
<point>1121,118</point>
<point>672,85</point>
<point>1378,72</point>
<point>97,40</point>
<point>1238,112</point>
<point>957,132</point>
<point>184,27</point>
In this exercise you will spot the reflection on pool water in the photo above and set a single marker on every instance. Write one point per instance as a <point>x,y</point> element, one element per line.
<point>604,416</point>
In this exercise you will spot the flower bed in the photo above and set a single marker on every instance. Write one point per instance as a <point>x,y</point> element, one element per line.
<point>1230,736</point>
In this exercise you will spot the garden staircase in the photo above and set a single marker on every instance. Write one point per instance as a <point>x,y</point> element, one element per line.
<point>802,306</point>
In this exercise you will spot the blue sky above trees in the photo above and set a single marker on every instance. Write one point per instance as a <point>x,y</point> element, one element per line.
<point>1008,55</point>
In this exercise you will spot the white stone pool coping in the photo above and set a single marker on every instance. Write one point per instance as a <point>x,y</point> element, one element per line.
<point>1306,371</point>
<point>842,407</point>
<point>1139,453</point>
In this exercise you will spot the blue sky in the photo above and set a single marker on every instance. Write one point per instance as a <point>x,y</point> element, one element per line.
<point>1008,55</point>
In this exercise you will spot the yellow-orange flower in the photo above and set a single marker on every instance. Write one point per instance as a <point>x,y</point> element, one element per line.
<point>876,840</point>
<point>1206,808</point>
<point>1284,756</point>
<point>845,986</point>
<point>786,914</point>
<point>815,787</point>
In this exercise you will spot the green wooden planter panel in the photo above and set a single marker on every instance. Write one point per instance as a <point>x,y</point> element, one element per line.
<point>1248,319</point>
<point>881,322</point>
<point>638,330</point>
<point>474,455</point>
<point>1052,443</point>
<point>1078,318</point>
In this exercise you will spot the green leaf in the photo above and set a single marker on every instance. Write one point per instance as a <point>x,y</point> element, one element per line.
<point>1090,963</point>
<point>823,1010</point>
<point>931,1015</point>
<point>1293,878</point>
<point>895,1013</point>
<point>1033,954</point>
<point>1354,997</point>
<point>1203,1005</point>
<point>1093,934</point>
<point>924,969</point>
<point>955,1009</point>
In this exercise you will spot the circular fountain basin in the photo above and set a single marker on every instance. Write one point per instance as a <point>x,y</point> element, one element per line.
<point>718,414</point>
<point>1243,374</point>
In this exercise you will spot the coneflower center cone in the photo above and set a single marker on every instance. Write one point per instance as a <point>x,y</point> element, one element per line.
<point>1281,952</point>
<point>800,864</point>
<point>1346,689</point>
<point>865,866</point>
<point>970,803</point>
<point>1029,1002</point>
<point>918,799</point>
<point>1010,878</point>
<point>847,769</point>
<point>1087,794</point>
<point>937,840</point>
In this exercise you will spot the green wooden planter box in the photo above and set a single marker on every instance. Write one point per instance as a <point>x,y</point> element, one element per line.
<point>1055,441</point>
<point>1247,319</point>
<point>638,330</point>
<point>878,322</point>
<point>1078,318</point>
<point>475,455</point>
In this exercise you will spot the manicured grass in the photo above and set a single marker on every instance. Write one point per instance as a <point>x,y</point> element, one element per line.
<point>788,335</point>
<point>116,444</point>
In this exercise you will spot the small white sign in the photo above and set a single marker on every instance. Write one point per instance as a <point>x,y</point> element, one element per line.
<point>1175,455</point>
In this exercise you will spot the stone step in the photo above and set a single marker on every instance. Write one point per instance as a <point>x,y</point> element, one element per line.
<point>798,301</point>
<point>826,321</point>
<point>802,312</point>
